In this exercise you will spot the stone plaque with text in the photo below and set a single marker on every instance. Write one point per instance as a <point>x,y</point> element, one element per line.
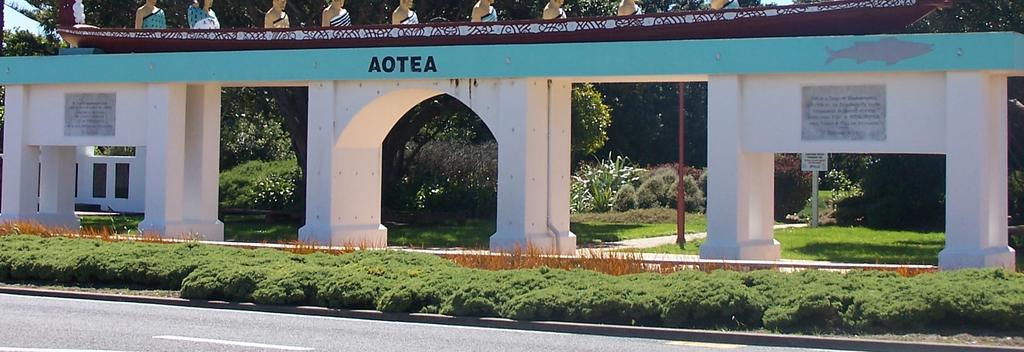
<point>89,114</point>
<point>844,113</point>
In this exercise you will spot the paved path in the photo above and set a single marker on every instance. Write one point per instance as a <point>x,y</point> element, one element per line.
<point>660,241</point>
<point>55,324</point>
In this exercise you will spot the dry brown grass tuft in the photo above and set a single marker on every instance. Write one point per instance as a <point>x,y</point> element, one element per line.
<point>608,262</point>
<point>31,228</point>
<point>309,247</point>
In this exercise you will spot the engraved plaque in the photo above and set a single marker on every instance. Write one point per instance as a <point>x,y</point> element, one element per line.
<point>844,113</point>
<point>89,114</point>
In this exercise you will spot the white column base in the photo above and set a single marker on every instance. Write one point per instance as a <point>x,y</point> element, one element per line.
<point>563,244</point>
<point>63,220</point>
<point>203,231</point>
<point>363,236</point>
<point>67,221</point>
<point>749,250</point>
<point>959,258</point>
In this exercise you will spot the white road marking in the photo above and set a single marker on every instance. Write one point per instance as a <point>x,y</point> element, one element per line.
<point>719,346</point>
<point>234,343</point>
<point>16,349</point>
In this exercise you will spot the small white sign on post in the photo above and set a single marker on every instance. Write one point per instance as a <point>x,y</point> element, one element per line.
<point>814,162</point>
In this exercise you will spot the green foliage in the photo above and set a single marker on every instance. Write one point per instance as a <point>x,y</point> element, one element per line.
<point>654,188</point>
<point>1017,196</point>
<point>269,185</point>
<point>792,185</point>
<point>841,185</point>
<point>635,216</point>
<point>448,176</point>
<point>809,301</point>
<point>26,43</point>
<point>251,129</point>
<point>594,185</point>
<point>590,119</point>
<point>696,200</point>
<point>645,118</point>
<point>900,191</point>
<point>650,193</point>
<point>625,198</point>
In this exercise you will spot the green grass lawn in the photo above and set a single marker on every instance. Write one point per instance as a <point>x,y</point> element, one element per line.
<point>240,228</point>
<point>590,229</point>
<point>847,244</point>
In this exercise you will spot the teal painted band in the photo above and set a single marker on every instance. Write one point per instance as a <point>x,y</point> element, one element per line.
<point>1003,51</point>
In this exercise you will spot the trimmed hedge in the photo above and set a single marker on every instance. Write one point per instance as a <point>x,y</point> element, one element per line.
<point>808,301</point>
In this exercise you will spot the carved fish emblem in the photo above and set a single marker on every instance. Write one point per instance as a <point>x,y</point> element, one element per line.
<point>888,50</point>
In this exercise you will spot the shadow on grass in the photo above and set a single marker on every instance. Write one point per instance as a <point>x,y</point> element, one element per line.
<point>899,252</point>
<point>597,233</point>
<point>474,234</point>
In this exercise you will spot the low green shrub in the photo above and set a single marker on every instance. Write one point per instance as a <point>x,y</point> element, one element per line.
<point>808,301</point>
<point>650,193</point>
<point>635,216</point>
<point>695,200</point>
<point>269,185</point>
<point>625,198</point>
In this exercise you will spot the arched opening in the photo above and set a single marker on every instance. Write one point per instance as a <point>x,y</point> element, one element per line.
<point>439,177</point>
<point>350,213</point>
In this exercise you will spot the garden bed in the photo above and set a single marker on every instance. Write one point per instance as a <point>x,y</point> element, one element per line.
<point>391,281</point>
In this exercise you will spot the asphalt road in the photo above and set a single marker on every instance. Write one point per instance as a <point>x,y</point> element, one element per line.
<point>56,324</point>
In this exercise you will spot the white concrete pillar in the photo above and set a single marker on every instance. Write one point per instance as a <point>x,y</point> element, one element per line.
<point>976,168</point>
<point>21,161</point>
<point>57,187</point>
<point>343,179</point>
<point>202,162</point>
<point>319,143</point>
<point>560,165</point>
<point>740,184</point>
<point>137,181</point>
<point>356,198</point>
<point>165,154</point>
<point>523,116</point>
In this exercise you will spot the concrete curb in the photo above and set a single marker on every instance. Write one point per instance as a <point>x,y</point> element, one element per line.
<point>707,336</point>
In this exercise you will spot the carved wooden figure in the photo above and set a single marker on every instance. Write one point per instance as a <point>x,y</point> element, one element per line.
<point>335,15</point>
<point>630,8</point>
<point>150,17</point>
<point>404,13</point>
<point>276,17</point>
<point>553,10</point>
<point>201,15</point>
<point>725,4</point>
<point>484,12</point>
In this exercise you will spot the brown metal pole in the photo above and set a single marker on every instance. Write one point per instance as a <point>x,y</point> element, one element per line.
<point>680,190</point>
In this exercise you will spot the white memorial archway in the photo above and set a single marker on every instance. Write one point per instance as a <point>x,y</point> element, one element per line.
<point>932,94</point>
